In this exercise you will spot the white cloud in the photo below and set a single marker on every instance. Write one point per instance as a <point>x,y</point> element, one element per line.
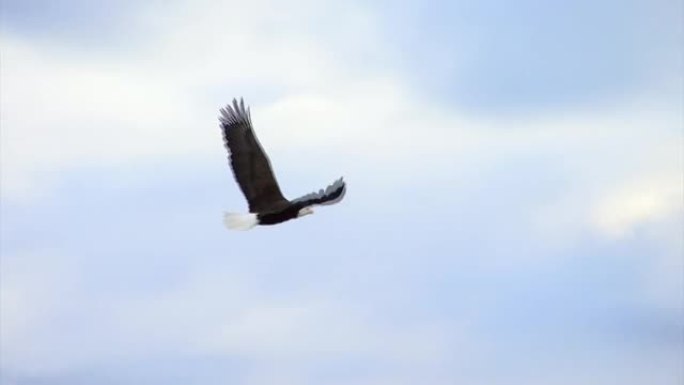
<point>217,311</point>
<point>638,203</point>
<point>59,113</point>
<point>53,324</point>
<point>37,289</point>
<point>621,166</point>
<point>65,109</point>
<point>620,161</point>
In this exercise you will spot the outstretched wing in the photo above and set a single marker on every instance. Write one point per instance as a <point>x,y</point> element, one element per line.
<point>251,167</point>
<point>331,195</point>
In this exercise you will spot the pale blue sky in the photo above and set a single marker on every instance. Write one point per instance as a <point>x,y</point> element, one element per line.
<point>514,212</point>
<point>535,54</point>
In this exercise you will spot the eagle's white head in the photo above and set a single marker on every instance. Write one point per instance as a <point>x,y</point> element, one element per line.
<point>305,211</point>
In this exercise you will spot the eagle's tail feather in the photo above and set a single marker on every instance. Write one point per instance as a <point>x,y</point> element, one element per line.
<point>235,221</point>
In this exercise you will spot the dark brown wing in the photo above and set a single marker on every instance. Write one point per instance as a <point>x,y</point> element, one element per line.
<point>328,196</point>
<point>250,165</point>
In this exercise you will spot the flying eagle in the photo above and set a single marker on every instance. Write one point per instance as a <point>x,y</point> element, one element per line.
<point>253,173</point>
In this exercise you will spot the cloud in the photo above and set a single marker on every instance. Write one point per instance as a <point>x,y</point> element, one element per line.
<point>54,324</point>
<point>456,222</point>
<point>60,114</point>
<point>638,204</point>
<point>38,289</point>
<point>373,129</point>
<point>65,109</point>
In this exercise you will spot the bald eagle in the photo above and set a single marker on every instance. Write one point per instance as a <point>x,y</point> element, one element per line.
<point>253,173</point>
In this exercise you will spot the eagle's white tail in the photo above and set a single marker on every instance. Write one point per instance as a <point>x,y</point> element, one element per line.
<point>240,221</point>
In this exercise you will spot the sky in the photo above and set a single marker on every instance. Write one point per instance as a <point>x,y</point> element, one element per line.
<point>514,210</point>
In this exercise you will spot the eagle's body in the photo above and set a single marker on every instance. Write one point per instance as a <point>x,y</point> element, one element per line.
<point>275,217</point>
<point>254,175</point>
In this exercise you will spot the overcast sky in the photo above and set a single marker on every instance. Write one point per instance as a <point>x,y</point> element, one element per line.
<point>513,216</point>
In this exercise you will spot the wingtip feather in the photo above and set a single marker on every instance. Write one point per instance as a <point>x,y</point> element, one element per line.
<point>234,114</point>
